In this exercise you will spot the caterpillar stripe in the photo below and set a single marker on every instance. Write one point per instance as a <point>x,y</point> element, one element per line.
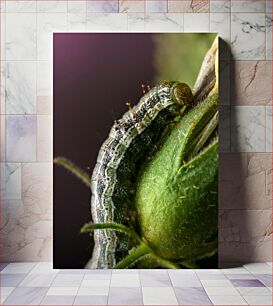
<point>118,162</point>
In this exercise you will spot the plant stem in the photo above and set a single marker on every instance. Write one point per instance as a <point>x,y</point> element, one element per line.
<point>189,265</point>
<point>134,256</point>
<point>114,226</point>
<point>165,263</point>
<point>71,167</point>
<point>136,253</point>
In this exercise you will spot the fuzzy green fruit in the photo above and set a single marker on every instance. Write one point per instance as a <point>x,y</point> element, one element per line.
<point>176,196</point>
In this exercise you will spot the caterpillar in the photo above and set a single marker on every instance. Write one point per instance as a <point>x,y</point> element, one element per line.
<point>118,162</point>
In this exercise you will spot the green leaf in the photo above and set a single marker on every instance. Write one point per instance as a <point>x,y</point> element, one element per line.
<point>72,168</point>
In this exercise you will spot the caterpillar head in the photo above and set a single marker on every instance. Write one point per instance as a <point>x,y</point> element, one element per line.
<point>182,94</point>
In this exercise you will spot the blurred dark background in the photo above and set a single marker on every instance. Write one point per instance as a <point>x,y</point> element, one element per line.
<point>94,75</point>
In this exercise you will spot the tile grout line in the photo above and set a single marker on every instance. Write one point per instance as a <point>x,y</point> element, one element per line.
<point>141,288</point>
<point>78,288</point>
<point>107,299</point>
<point>4,89</point>
<point>36,62</point>
<point>203,286</point>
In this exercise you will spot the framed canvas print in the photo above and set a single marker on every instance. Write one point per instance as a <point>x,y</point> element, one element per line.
<point>135,150</point>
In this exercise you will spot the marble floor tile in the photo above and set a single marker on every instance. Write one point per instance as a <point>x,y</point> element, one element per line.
<point>98,272</point>
<point>221,291</point>
<point>20,36</point>
<point>62,291</point>
<point>57,6</point>
<point>154,272</point>
<point>227,300</point>
<point>248,129</point>
<point>170,22</point>
<point>246,283</point>
<point>136,22</point>
<point>12,174</point>
<point>106,22</point>
<point>20,138</point>
<point>44,267</point>
<point>72,271</point>
<point>38,280</point>
<point>2,87</point>
<point>128,6</point>
<point>188,282</point>
<point>77,6</point>
<point>248,36</point>
<point>67,280</point>
<point>231,286</point>
<point>3,6</point>
<point>5,292</point>
<point>20,88</point>
<point>220,6</point>
<point>21,7</point>
<point>90,300</point>
<point>268,24</point>
<point>182,273</point>
<point>155,280</point>
<point>249,6</point>
<point>159,296</point>
<point>47,23</point>
<point>44,138</point>
<point>26,296</point>
<point>44,105</point>
<point>157,6</point>
<point>268,111</point>
<point>44,78</point>
<point>268,6</point>
<point>77,22</point>
<point>258,268</point>
<point>3,265</point>
<point>258,299</point>
<point>216,283</point>
<point>58,300</point>
<point>96,283</point>
<point>238,226</point>
<point>196,22</point>
<point>266,279</point>
<point>212,277</point>
<point>188,6</point>
<point>11,280</point>
<point>97,276</point>
<point>192,296</point>
<point>240,276</point>
<point>3,37</point>
<point>220,23</point>
<point>123,280</point>
<point>251,83</point>
<point>184,279</point>
<point>125,272</point>
<point>96,291</point>
<point>246,291</point>
<point>125,296</point>
<point>210,274</point>
<point>20,267</point>
<point>102,6</point>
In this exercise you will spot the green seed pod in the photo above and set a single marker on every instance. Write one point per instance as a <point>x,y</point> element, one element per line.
<point>176,194</point>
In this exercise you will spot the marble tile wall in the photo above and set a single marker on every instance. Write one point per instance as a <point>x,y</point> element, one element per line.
<point>245,181</point>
